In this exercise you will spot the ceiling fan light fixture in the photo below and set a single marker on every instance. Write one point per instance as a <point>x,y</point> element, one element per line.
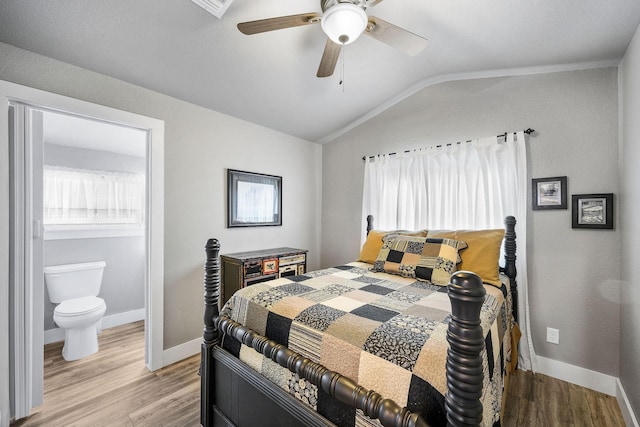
<point>344,22</point>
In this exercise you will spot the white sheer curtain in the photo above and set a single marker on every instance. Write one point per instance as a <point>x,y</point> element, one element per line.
<point>470,185</point>
<point>87,197</point>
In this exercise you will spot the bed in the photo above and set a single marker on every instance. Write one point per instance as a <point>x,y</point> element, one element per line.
<point>365,343</point>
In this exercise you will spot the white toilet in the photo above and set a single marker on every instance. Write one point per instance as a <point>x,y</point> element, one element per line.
<point>79,312</point>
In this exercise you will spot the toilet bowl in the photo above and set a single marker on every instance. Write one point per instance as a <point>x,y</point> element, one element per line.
<point>79,311</point>
<point>81,320</point>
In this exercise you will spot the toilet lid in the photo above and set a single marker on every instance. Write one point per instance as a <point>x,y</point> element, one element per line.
<point>79,306</point>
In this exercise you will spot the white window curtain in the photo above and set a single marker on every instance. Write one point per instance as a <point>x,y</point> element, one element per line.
<point>469,185</point>
<point>86,197</point>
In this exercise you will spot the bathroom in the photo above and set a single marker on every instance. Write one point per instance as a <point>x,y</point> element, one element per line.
<point>78,145</point>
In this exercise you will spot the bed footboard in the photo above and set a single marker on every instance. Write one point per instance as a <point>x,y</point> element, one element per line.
<point>464,362</point>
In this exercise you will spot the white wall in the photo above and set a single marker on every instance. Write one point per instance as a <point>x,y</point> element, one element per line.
<point>573,274</point>
<point>199,145</point>
<point>629,207</point>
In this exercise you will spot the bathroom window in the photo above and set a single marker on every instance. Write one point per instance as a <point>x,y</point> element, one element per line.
<point>77,198</point>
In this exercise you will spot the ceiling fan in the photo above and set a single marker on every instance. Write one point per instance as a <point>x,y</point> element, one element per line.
<point>342,21</point>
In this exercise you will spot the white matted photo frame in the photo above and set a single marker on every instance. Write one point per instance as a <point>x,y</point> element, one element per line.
<point>592,211</point>
<point>549,193</point>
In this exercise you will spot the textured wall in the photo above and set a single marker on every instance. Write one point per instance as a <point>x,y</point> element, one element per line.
<point>573,274</point>
<point>199,145</point>
<point>630,205</point>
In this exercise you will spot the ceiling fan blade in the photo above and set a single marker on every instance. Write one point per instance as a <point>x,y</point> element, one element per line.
<point>329,59</point>
<point>406,41</point>
<point>281,22</point>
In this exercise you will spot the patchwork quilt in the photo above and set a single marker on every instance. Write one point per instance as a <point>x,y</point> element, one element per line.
<point>386,332</point>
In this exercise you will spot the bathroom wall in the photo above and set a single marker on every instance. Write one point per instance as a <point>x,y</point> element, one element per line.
<point>123,280</point>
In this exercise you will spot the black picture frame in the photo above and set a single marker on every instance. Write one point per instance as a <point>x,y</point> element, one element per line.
<point>592,211</point>
<point>549,193</point>
<point>253,199</point>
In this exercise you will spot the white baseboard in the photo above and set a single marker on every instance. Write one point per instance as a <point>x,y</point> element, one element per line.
<point>122,318</point>
<point>625,406</point>
<point>576,375</point>
<point>57,334</point>
<point>180,352</point>
<point>590,379</point>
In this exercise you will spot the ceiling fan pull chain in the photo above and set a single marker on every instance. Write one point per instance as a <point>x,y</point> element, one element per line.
<point>342,67</point>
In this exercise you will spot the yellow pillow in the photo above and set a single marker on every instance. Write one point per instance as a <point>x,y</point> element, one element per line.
<point>373,244</point>
<point>482,255</point>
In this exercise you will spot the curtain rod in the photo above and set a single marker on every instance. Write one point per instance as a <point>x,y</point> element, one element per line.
<point>529,131</point>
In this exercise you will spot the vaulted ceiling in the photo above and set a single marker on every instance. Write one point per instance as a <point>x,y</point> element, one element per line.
<point>177,48</point>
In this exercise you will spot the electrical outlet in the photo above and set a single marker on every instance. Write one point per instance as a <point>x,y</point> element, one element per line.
<point>553,336</point>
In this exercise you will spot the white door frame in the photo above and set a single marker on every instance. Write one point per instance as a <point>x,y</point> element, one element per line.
<point>154,293</point>
<point>26,244</point>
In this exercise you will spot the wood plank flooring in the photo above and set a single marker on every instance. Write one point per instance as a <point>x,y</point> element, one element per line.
<point>539,400</point>
<point>112,388</point>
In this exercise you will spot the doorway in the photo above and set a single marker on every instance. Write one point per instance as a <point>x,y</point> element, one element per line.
<point>22,110</point>
<point>94,193</point>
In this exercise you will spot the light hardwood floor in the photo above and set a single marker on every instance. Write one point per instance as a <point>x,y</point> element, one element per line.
<point>112,388</point>
<point>539,400</point>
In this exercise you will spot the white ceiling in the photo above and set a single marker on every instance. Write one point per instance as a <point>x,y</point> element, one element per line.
<point>177,48</point>
<point>80,132</point>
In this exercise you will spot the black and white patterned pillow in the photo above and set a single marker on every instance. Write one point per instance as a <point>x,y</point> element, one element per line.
<point>432,260</point>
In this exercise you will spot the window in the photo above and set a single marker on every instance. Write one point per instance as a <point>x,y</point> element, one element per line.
<point>76,198</point>
<point>456,186</point>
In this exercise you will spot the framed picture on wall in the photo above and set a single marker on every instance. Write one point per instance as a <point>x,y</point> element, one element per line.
<point>549,193</point>
<point>253,199</point>
<point>592,211</point>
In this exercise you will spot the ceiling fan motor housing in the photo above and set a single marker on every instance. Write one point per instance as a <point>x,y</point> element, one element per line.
<point>343,21</point>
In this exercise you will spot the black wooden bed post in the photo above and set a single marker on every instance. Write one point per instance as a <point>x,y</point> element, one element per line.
<point>466,341</point>
<point>211,335</point>
<point>510,261</point>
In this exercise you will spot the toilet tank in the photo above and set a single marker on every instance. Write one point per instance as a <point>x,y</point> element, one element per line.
<point>73,280</point>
